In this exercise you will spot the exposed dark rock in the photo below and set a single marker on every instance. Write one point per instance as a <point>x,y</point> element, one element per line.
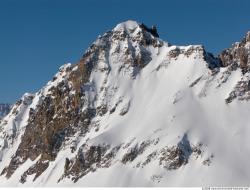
<point>109,156</point>
<point>102,110</point>
<point>88,159</point>
<point>67,165</point>
<point>174,53</point>
<point>37,169</point>
<point>131,155</point>
<point>152,30</point>
<point>135,151</point>
<point>195,82</point>
<point>150,157</point>
<point>208,161</point>
<point>174,157</point>
<point>238,54</point>
<point>112,110</point>
<point>241,91</point>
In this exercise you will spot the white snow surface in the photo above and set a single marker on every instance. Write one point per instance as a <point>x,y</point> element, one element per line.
<point>159,104</point>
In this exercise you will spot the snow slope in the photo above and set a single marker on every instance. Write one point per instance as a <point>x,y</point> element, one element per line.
<point>166,122</point>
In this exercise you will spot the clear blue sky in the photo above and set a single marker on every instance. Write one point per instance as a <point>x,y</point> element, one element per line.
<point>38,36</point>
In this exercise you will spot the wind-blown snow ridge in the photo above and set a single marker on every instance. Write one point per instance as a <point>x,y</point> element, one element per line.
<point>127,26</point>
<point>135,111</point>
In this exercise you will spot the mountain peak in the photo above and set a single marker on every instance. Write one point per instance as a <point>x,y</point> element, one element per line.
<point>130,26</point>
<point>134,104</point>
<point>127,25</point>
<point>129,43</point>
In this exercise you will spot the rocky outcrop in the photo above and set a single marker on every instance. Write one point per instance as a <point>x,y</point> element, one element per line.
<point>88,159</point>
<point>238,55</point>
<point>241,91</point>
<point>174,157</point>
<point>152,30</point>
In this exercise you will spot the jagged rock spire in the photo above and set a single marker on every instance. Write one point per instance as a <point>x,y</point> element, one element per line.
<point>238,55</point>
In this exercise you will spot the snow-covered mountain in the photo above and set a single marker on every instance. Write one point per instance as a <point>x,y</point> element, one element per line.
<point>135,111</point>
<point>4,110</point>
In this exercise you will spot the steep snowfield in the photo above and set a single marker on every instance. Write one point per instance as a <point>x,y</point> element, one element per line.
<point>173,101</point>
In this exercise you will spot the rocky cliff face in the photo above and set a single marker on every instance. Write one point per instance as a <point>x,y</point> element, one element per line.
<point>136,106</point>
<point>237,55</point>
